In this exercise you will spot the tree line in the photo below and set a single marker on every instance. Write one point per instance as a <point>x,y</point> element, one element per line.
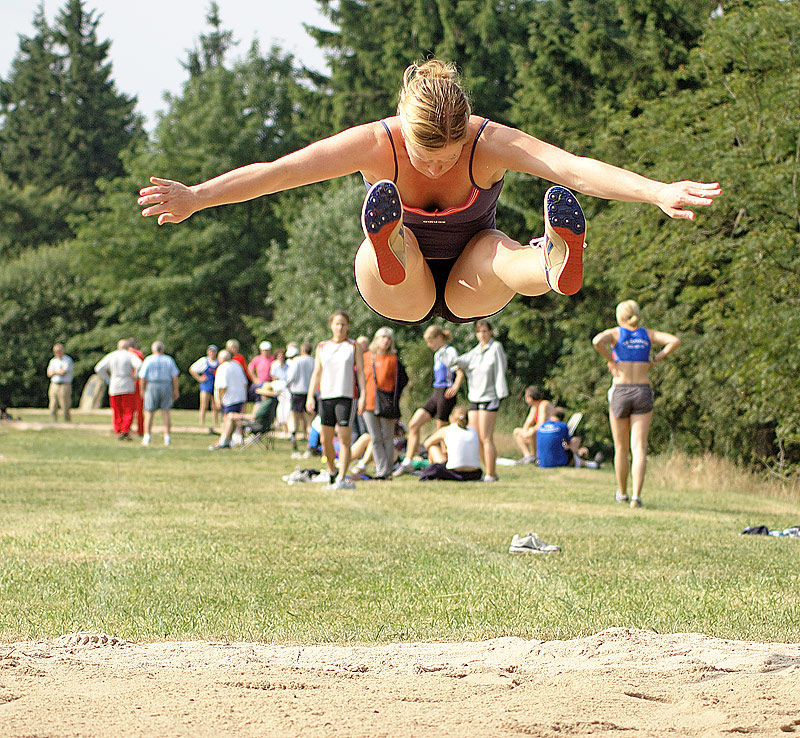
<point>664,87</point>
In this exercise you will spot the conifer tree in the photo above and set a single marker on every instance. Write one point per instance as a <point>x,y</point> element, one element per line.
<point>64,123</point>
<point>375,42</point>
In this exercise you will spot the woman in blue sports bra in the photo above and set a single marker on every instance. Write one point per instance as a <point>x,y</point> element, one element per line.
<point>435,172</point>
<point>626,348</point>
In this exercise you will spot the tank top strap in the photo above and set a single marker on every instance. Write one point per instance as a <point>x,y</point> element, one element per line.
<point>394,150</point>
<point>472,153</point>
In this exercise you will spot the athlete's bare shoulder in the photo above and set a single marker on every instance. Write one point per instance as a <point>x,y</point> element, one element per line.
<point>379,146</point>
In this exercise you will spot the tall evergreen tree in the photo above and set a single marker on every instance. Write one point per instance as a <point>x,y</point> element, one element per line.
<point>100,122</point>
<point>374,42</point>
<point>730,284</point>
<point>32,135</point>
<point>206,279</point>
<point>62,127</point>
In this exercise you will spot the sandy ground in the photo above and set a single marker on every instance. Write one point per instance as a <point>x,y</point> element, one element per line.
<point>618,682</point>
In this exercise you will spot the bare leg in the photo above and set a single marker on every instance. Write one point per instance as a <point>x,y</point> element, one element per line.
<point>203,407</point>
<point>621,430</point>
<point>436,455</point>
<point>228,424</point>
<point>524,441</point>
<point>345,437</point>
<point>409,300</point>
<point>640,429</point>
<point>415,425</point>
<point>326,436</point>
<point>483,422</point>
<point>490,271</point>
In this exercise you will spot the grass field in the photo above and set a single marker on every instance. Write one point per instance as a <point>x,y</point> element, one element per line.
<point>181,543</point>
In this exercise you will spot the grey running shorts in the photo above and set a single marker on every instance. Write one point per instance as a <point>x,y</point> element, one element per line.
<point>158,396</point>
<point>630,399</point>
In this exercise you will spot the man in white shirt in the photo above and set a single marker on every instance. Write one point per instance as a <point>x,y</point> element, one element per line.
<point>118,369</point>
<point>59,394</point>
<point>230,392</point>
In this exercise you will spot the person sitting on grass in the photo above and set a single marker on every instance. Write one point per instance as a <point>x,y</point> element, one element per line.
<point>454,451</point>
<point>525,436</point>
<point>556,447</point>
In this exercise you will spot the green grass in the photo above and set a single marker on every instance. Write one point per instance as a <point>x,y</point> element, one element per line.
<point>181,543</point>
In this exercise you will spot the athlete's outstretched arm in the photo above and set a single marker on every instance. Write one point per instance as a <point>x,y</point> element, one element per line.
<point>345,153</point>
<point>516,150</point>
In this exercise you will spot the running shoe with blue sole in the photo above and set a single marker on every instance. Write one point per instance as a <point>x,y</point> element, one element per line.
<point>382,221</point>
<point>564,235</point>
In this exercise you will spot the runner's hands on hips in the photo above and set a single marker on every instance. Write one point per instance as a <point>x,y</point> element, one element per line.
<point>171,201</point>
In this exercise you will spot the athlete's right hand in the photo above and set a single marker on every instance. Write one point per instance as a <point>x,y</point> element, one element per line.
<point>171,201</point>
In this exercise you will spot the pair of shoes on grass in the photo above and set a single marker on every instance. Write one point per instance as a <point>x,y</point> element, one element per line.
<point>531,544</point>
<point>561,246</point>
<point>341,484</point>
<point>621,497</point>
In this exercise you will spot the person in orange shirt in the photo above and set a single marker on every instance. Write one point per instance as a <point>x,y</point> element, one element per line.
<point>385,380</point>
<point>540,412</point>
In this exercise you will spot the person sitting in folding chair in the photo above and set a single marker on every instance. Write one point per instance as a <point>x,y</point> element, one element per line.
<point>255,427</point>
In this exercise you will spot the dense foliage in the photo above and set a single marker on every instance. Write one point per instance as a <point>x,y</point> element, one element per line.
<point>663,87</point>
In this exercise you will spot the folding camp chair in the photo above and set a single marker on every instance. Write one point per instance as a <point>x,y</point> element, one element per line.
<point>572,423</point>
<point>258,432</point>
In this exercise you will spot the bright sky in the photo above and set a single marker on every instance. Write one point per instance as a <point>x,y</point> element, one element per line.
<point>149,40</point>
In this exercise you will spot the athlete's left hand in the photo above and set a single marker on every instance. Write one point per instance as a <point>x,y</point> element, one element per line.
<point>675,198</point>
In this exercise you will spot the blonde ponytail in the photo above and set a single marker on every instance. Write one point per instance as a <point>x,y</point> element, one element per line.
<point>628,312</point>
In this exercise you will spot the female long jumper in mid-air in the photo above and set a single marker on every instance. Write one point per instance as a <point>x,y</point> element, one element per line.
<point>434,173</point>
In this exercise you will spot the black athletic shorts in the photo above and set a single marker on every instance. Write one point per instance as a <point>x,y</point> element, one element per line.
<point>298,404</point>
<point>440,269</point>
<point>336,411</point>
<point>438,406</point>
<point>492,406</point>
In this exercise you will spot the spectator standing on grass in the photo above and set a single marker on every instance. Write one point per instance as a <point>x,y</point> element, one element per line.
<point>626,348</point>
<point>385,374</point>
<point>118,369</point>
<point>339,374</point>
<point>230,392</point>
<point>59,394</point>
<point>232,345</point>
<point>203,371</point>
<point>525,437</point>
<point>138,413</point>
<point>446,382</point>
<point>260,366</point>
<point>277,373</point>
<point>298,378</point>
<point>485,369</point>
<point>158,375</point>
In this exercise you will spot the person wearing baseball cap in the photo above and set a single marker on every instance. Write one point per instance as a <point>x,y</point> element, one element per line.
<point>261,365</point>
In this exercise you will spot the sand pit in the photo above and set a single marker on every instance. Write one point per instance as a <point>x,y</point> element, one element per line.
<point>619,681</point>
